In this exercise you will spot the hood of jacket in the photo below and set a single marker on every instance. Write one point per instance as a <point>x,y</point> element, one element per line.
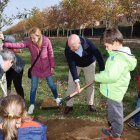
<point>126,54</point>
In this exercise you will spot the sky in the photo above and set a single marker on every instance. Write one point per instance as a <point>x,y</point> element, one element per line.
<point>28,4</point>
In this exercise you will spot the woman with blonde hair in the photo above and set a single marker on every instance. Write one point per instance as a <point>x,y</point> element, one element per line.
<point>16,125</point>
<point>44,66</point>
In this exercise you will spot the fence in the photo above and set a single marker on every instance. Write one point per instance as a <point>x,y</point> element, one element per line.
<point>88,32</point>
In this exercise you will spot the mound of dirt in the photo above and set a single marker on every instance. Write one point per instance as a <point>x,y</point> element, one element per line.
<point>79,129</point>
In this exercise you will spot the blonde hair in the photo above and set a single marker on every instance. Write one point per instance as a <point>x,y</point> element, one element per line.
<point>12,108</point>
<point>36,31</point>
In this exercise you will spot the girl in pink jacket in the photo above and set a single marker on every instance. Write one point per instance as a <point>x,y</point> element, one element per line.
<point>44,67</point>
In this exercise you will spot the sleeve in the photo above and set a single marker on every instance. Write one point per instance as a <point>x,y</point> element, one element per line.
<point>98,55</point>
<point>71,64</point>
<point>50,54</point>
<point>14,45</point>
<point>112,74</point>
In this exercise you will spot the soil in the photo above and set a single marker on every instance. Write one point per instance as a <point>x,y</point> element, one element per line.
<point>80,129</point>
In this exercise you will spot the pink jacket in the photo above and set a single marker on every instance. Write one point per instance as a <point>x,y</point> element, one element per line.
<point>45,62</point>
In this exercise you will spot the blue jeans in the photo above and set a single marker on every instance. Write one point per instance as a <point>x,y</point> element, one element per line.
<point>136,118</point>
<point>34,85</point>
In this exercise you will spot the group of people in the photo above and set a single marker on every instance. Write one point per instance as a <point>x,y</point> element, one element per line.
<point>81,54</point>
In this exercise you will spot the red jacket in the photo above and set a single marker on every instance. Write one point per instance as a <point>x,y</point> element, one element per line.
<point>45,62</point>
<point>139,82</point>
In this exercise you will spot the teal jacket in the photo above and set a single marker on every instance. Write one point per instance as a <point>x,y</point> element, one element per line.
<point>114,80</point>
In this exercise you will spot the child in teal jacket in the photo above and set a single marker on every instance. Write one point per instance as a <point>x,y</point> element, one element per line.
<point>114,80</point>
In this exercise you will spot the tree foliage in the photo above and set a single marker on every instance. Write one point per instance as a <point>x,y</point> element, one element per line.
<point>72,14</point>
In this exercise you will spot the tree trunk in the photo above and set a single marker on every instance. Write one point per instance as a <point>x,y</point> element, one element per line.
<point>132,28</point>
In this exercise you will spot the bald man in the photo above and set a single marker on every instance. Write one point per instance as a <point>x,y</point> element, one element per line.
<point>81,54</point>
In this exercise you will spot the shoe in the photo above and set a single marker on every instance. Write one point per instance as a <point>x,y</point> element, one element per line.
<point>68,109</point>
<point>134,124</point>
<point>58,100</point>
<point>31,109</point>
<point>110,138</point>
<point>92,108</point>
<point>106,131</point>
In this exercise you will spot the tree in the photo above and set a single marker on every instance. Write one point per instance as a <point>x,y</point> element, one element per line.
<point>110,11</point>
<point>132,11</point>
<point>4,19</point>
<point>37,19</point>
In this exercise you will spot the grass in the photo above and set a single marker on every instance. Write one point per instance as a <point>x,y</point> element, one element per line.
<point>61,78</point>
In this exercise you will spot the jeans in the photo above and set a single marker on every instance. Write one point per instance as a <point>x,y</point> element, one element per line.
<point>34,85</point>
<point>136,118</point>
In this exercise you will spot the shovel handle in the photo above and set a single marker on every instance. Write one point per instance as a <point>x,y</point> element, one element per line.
<point>75,93</point>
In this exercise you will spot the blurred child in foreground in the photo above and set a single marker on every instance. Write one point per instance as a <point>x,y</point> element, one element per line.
<point>114,80</point>
<point>16,125</point>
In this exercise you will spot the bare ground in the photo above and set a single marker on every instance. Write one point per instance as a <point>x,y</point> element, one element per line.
<point>79,129</point>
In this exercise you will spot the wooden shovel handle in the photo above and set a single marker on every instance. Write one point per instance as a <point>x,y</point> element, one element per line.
<point>75,93</point>
<point>86,86</point>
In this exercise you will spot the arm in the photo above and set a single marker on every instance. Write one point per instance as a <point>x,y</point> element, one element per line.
<point>97,54</point>
<point>71,64</point>
<point>14,45</point>
<point>73,69</point>
<point>9,42</point>
<point>112,74</point>
<point>50,54</point>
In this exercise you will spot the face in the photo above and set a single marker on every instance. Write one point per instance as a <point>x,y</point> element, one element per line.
<point>74,47</point>
<point>7,65</point>
<point>34,38</point>
<point>110,47</point>
<point>74,44</point>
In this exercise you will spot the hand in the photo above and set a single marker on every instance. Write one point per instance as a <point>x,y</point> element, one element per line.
<point>52,70</point>
<point>1,36</point>
<point>77,87</point>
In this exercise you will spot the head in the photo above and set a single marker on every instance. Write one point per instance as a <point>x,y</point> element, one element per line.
<point>7,59</point>
<point>112,38</point>
<point>74,42</point>
<point>36,36</point>
<point>12,111</point>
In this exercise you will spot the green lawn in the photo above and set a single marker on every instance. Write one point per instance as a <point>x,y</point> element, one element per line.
<point>61,77</point>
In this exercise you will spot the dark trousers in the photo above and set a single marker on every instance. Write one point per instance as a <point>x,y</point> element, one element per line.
<point>12,75</point>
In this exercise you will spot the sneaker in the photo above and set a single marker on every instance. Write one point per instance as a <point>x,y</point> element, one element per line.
<point>31,109</point>
<point>58,100</point>
<point>134,124</point>
<point>106,131</point>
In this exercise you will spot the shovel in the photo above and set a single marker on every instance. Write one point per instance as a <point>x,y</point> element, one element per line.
<point>74,94</point>
<point>131,114</point>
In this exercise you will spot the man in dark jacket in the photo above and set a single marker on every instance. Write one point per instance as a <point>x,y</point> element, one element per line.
<point>81,54</point>
<point>7,59</point>
<point>15,73</point>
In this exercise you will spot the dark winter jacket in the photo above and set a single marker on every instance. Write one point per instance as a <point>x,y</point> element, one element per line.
<point>1,72</point>
<point>1,69</point>
<point>19,65</point>
<point>90,54</point>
